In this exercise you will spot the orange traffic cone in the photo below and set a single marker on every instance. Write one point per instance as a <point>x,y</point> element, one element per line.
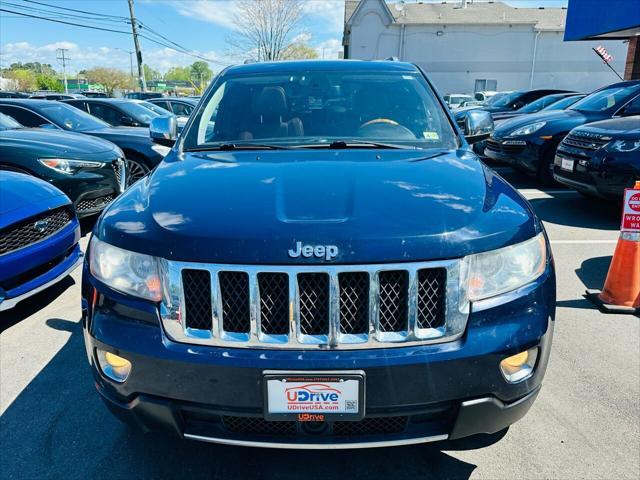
<point>621,292</point>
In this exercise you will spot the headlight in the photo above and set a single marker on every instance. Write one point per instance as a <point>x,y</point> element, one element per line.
<point>527,129</point>
<point>161,149</point>
<point>68,167</point>
<point>128,272</point>
<point>624,145</point>
<point>499,271</point>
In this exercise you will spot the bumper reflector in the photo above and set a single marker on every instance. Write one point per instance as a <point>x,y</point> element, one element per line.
<point>520,366</point>
<point>114,366</point>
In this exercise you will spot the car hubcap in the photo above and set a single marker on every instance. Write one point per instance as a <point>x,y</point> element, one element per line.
<point>135,171</point>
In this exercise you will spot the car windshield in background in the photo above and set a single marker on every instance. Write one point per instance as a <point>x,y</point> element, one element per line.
<point>315,108</point>
<point>138,112</point>
<point>539,104</point>
<point>158,110</point>
<point>564,103</point>
<point>8,123</point>
<point>71,118</point>
<point>605,99</point>
<point>505,100</point>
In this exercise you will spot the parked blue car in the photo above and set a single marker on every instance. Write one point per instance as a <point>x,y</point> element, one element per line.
<point>39,235</point>
<point>320,262</point>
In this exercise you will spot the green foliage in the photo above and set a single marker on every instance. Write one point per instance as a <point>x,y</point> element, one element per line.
<point>26,79</point>
<point>299,51</point>
<point>35,67</point>
<point>110,78</point>
<point>151,73</point>
<point>178,74</point>
<point>49,82</point>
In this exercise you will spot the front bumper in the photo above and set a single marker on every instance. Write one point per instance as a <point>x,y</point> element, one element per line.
<point>426,392</point>
<point>525,156</point>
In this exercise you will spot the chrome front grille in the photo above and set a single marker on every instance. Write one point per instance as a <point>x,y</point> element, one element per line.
<point>121,174</point>
<point>317,306</point>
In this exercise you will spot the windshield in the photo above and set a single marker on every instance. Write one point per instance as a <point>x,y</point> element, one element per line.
<point>602,100</point>
<point>504,100</point>
<point>316,108</point>
<point>8,123</point>
<point>564,103</point>
<point>138,112</point>
<point>157,109</point>
<point>539,104</point>
<point>71,118</point>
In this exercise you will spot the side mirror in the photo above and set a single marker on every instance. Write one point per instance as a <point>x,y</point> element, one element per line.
<point>477,125</point>
<point>164,130</point>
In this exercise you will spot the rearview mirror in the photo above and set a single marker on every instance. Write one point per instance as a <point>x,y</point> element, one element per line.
<point>476,125</point>
<point>164,130</point>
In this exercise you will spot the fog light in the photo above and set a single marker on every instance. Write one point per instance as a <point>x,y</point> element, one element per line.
<point>520,366</point>
<point>114,366</point>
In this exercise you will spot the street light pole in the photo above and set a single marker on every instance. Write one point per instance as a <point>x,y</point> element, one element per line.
<point>61,56</point>
<point>136,43</point>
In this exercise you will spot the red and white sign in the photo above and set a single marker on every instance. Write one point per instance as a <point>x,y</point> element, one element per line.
<point>631,211</point>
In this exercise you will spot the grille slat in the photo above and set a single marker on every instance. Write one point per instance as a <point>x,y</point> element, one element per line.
<point>293,307</point>
<point>314,303</point>
<point>94,203</point>
<point>23,234</point>
<point>234,288</point>
<point>274,303</point>
<point>431,304</point>
<point>393,298</point>
<point>197,297</point>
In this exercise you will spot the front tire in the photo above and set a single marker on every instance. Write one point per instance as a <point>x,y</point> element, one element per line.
<point>136,169</point>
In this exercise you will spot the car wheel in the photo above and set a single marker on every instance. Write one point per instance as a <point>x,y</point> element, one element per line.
<point>135,171</point>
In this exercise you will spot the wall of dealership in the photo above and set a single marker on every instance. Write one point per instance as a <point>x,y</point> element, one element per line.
<point>455,56</point>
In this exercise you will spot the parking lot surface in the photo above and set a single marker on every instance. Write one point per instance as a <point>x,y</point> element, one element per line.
<point>585,423</point>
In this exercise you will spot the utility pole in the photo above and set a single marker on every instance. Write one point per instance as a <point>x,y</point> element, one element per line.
<point>63,59</point>
<point>136,43</point>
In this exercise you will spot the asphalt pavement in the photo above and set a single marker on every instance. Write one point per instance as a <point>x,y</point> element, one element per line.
<point>585,423</point>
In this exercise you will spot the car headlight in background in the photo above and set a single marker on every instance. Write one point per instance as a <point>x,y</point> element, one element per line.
<point>624,145</point>
<point>527,129</point>
<point>127,272</point>
<point>499,271</point>
<point>67,166</point>
<point>161,149</point>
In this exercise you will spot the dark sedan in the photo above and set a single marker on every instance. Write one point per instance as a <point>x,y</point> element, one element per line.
<point>90,171</point>
<point>141,154</point>
<point>117,112</point>
<point>602,158</point>
<point>535,106</point>
<point>529,142</point>
<point>181,107</point>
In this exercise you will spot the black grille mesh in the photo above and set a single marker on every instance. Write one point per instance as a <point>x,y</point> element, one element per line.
<point>354,302</point>
<point>258,426</point>
<point>431,297</point>
<point>371,426</point>
<point>234,287</point>
<point>94,203</point>
<point>118,168</point>
<point>274,303</point>
<point>33,230</point>
<point>197,299</point>
<point>314,303</point>
<point>393,308</point>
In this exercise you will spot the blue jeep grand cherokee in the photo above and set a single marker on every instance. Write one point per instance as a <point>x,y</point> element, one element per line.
<point>320,262</point>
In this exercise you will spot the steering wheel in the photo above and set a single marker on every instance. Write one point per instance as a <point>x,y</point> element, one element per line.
<point>385,128</point>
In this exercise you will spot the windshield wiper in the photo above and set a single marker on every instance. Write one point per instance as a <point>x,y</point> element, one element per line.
<point>226,147</point>
<point>341,144</point>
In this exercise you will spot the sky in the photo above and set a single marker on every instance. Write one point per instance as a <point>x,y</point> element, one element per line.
<point>201,26</point>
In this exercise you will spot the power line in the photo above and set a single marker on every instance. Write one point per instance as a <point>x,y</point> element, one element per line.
<point>75,10</point>
<point>92,27</point>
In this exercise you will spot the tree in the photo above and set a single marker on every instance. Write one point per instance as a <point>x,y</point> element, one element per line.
<point>178,74</point>
<point>299,51</point>
<point>200,73</point>
<point>26,79</point>
<point>35,67</point>
<point>49,82</point>
<point>264,28</point>
<point>151,73</point>
<point>110,78</point>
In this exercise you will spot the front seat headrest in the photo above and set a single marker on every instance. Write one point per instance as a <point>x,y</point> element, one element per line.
<point>272,102</point>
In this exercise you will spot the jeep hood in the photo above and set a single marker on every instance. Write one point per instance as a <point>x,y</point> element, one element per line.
<point>376,206</point>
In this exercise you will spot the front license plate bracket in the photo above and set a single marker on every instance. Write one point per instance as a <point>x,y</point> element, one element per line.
<point>314,396</point>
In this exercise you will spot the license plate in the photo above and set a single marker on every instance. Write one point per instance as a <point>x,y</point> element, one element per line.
<point>307,397</point>
<point>567,164</point>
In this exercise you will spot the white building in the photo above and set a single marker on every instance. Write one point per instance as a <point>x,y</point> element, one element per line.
<point>466,47</point>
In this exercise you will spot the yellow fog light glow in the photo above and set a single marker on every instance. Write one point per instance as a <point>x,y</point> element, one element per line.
<point>114,366</point>
<point>519,367</point>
